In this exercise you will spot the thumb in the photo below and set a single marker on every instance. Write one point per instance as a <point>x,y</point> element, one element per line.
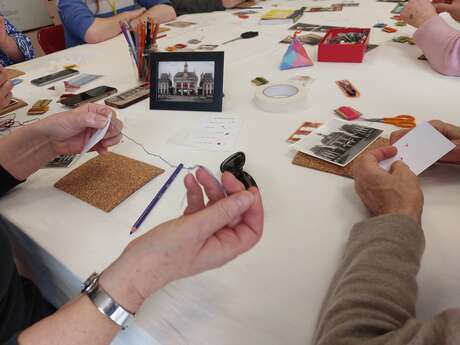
<point>400,168</point>
<point>442,7</point>
<point>218,215</point>
<point>83,120</point>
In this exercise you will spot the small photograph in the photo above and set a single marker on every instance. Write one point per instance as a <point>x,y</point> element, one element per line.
<point>311,39</point>
<point>207,47</point>
<point>186,81</point>
<point>337,141</point>
<point>304,27</point>
<point>180,24</point>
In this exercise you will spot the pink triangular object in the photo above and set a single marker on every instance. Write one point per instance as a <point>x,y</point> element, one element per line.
<point>295,56</point>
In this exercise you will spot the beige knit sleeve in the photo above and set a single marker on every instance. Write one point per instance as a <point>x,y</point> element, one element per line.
<point>372,296</point>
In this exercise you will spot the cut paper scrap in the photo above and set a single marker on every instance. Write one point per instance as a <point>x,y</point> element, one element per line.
<point>295,56</point>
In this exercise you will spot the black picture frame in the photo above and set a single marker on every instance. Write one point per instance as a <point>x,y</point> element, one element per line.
<point>156,103</point>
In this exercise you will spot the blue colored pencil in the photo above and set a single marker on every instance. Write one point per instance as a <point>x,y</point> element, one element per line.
<point>156,199</point>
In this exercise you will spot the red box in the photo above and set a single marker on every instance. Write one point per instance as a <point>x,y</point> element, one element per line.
<point>342,52</point>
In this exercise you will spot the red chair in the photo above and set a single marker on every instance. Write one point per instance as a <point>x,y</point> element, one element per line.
<point>51,39</point>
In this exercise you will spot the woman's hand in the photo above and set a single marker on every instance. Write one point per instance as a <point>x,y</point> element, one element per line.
<point>205,237</point>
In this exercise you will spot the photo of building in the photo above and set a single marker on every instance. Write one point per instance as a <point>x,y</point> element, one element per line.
<point>339,142</point>
<point>186,81</point>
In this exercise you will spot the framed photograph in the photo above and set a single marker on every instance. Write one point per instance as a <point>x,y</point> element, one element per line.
<point>187,81</point>
<point>337,141</point>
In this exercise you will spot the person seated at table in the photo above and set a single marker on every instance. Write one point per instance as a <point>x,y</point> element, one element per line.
<point>439,42</point>
<point>372,296</point>
<point>14,46</point>
<point>196,6</point>
<point>94,21</point>
<point>205,237</point>
<point>6,88</point>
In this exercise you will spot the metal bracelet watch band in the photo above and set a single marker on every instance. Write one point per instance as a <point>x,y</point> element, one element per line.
<point>104,303</point>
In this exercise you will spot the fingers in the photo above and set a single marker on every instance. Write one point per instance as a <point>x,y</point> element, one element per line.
<point>396,135</point>
<point>213,218</point>
<point>231,183</point>
<point>380,154</point>
<point>254,217</point>
<point>195,198</point>
<point>212,187</point>
<point>442,7</point>
<point>449,131</point>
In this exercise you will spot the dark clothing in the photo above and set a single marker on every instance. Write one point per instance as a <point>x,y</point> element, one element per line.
<point>21,303</point>
<point>195,6</point>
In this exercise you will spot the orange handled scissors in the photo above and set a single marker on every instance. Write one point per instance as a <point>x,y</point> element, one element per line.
<point>403,121</point>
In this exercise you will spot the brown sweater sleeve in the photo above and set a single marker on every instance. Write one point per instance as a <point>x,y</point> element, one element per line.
<point>372,296</point>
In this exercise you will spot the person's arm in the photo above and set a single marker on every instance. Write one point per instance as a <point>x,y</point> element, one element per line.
<point>158,11</point>
<point>29,148</point>
<point>196,6</point>
<point>372,297</point>
<point>439,42</point>
<point>441,45</point>
<point>82,23</point>
<point>17,46</point>
<point>205,237</point>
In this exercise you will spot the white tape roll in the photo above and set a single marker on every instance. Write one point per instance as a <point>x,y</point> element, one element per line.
<point>281,97</point>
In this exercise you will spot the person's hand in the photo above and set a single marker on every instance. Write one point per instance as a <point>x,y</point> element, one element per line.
<point>4,37</point>
<point>68,132</point>
<point>130,16</point>
<point>417,12</point>
<point>450,6</point>
<point>231,3</point>
<point>451,132</point>
<point>5,88</point>
<point>205,237</point>
<point>382,192</point>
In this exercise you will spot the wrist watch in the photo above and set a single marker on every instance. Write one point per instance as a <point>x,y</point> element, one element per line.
<point>104,303</point>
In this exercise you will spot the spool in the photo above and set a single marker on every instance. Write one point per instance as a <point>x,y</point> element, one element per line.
<point>275,98</point>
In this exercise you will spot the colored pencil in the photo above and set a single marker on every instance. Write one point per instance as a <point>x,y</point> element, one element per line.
<point>157,198</point>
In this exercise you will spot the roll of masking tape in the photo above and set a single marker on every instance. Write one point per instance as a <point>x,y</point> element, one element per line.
<point>276,98</point>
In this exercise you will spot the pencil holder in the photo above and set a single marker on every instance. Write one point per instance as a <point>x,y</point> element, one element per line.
<point>143,63</point>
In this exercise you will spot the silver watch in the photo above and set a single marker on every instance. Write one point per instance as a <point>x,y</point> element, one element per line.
<point>104,303</point>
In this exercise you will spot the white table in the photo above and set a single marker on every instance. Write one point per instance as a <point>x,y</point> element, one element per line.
<point>271,295</point>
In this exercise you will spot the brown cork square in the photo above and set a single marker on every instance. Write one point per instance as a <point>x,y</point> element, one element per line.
<point>311,162</point>
<point>105,181</point>
<point>13,73</point>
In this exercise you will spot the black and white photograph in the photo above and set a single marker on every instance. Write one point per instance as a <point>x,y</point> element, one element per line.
<point>187,81</point>
<point>337,141</point>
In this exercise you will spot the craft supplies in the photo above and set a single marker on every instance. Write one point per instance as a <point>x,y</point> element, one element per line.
<point>81,80</point>
<point>344,45</point>
<point>155,200</point>
<point>401,39</point>
<point>295,56</point>
<point>141,42</point>
<point>379,25</point>
<point>275,98</point>
<point>348,113</point>
<point>402,121</point>
<point>389,29</point>
<point>348,88</point>
<point>40,107</point>
<point>62,161</point>
<point>106,180</point>
<point>259,81</point>
<point>282,16</point>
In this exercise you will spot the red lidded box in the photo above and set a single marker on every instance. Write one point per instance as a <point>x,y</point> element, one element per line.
<point>342,52</point>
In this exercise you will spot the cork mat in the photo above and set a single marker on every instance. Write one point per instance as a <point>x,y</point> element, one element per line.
<point>105,181</point>
<point>13,73</point>
<point>307,161</point>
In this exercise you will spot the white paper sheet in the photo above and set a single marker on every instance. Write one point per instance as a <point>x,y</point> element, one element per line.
<point>420,148</point>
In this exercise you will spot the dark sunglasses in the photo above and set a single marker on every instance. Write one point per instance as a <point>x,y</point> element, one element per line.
<point>234,164</point>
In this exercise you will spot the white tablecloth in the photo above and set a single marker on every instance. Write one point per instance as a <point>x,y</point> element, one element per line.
<point>271,295</point>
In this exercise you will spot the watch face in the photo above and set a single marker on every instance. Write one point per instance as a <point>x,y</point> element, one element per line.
<point>90,283</point>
